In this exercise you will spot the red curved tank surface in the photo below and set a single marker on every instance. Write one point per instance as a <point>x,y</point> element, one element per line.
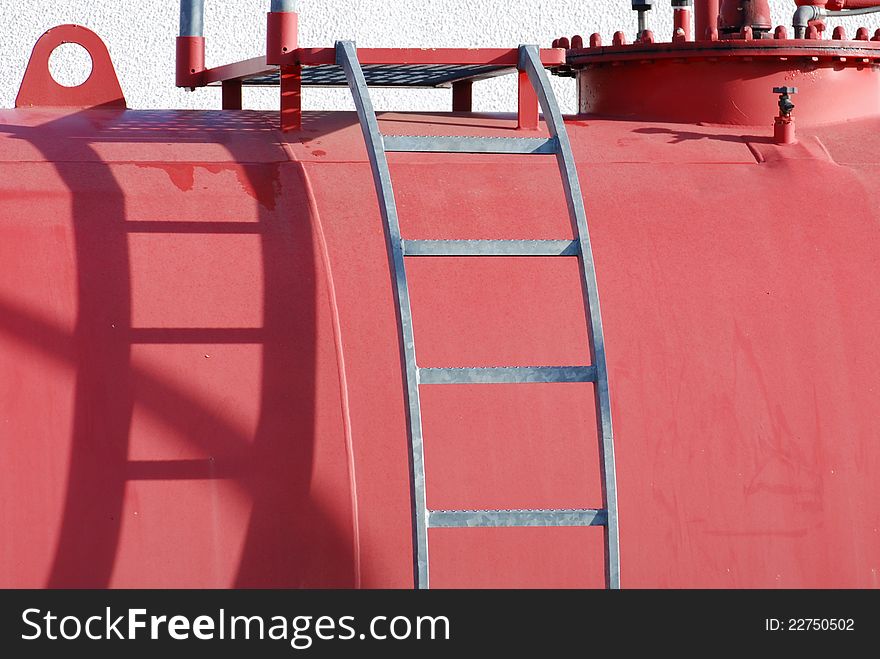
<point>200,373</point>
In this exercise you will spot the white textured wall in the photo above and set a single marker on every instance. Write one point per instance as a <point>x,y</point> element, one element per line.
<point>141,33</point>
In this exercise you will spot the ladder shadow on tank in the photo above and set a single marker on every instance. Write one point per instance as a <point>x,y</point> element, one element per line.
<point>272,467</point>
<point>680,136</point>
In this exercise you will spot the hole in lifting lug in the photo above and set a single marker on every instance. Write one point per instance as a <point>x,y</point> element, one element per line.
<point>70,65</point>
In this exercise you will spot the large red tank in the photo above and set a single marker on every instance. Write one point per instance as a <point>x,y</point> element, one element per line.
<point>201,381</point>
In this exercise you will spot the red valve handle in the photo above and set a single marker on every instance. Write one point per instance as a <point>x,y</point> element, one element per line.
<point>40,89</point>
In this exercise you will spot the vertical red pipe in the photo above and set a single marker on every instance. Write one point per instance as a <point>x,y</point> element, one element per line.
<point>682,21</point>
<point>705,17</point>
<point>783,131</point>
<point>190,61</point>
<point>282,42</point>
<point>282,36</point>
<point>291,98</point>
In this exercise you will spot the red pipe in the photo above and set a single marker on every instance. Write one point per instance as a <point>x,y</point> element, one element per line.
<point>705,17</point>
<point>281,37</point>
<point>837,5</point>
<point>682,21</point>
<point>282,41</point>
<point>190,61</point>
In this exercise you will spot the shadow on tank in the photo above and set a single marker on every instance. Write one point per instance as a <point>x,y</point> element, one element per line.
<point>291,540</point>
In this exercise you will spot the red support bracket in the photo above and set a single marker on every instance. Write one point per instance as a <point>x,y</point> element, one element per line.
<point>282,43</point>
<point>232,99</point>
<point>40,89</point>
<point>291,98</point>
<point>528,104</point>
<point>190,61</point>
<point>463,96</point>
<point>282,37</point>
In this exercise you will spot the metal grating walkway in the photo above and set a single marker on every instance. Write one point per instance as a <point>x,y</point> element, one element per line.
<point>388,75</point>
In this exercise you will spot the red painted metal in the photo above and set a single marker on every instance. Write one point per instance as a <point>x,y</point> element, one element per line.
<point>681,24</point>
<point>281,37</point>
<point>705,18</point>
<point>190,62</point>
<point>291,97</point>
<point>281,43</point>
<point>252,68</point>
<point>784,130</point>
<point>727,82</point>
<point>199,361</point>
<point>232,95</point>
<point>836,5</point>
<point>527,99</point>
<point>100,89</point>
<point>463,96</point>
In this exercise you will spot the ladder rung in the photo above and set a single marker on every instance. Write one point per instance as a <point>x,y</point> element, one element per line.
<point>491,247</point>
<point>458,144</point>
<point>458,519</point>
<point>507,375</point>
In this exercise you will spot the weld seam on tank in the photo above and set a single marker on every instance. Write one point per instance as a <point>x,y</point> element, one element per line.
<point>341,367</point>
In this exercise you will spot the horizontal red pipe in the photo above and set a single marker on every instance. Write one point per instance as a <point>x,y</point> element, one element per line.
<point>837,5</point>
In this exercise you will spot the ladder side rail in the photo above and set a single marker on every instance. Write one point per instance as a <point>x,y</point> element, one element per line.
<point>530,61</point>
<point>346,53</point>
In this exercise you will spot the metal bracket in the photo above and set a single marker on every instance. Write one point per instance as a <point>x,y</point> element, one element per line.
<point>40,89</point>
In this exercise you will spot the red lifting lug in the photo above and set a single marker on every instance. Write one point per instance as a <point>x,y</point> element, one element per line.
<point>40,89</point>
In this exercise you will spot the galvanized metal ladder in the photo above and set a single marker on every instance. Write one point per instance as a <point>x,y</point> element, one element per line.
<point>559,145</point>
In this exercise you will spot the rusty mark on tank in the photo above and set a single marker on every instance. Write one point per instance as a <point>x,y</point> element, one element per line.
<point>259,181</point>
<point>182,175</point>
